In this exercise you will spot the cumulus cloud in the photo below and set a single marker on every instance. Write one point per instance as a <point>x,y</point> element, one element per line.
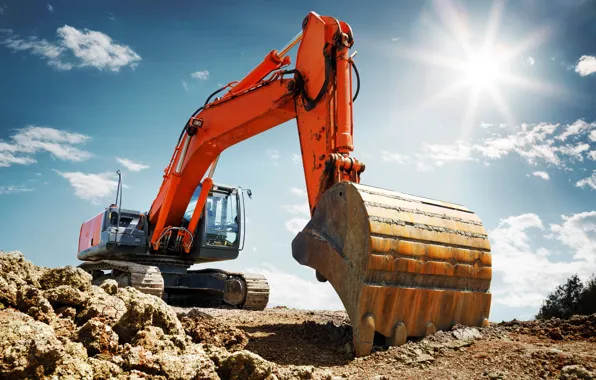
<point>13,189</point>
<point>131,165</point>
<point>295,292</point>
<point>202,75</point>
<point>541,174</point>
<point>28,141</point>
<point>589,182</point>
<point>74,48</point>
<point>527,271</point>
<point>93,187</point>
<point>586,65</point>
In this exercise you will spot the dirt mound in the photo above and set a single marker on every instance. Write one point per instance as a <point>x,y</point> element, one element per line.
<point>55,324</point>
<point>205,329</point>
<point>577,327</point>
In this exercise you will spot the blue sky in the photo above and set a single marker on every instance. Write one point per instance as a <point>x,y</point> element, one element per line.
<point>508,131</point>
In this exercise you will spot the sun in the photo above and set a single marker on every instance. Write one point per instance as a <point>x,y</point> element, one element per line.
<point>484,65</point>
<point>482,70</point>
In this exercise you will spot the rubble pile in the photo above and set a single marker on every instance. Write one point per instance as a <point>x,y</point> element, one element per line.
<point>55,324</point>
<point>577,327</point>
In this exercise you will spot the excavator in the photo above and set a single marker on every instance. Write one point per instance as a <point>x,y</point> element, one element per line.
<point>404,266</point>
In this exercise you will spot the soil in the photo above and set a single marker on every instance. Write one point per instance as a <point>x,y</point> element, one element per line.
<point>55,324</point>
<point>510,350</point>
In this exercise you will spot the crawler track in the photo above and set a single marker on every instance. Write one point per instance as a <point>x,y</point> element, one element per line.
<point>145,278</point>
<point>148,279</point>
<point>257,291</point>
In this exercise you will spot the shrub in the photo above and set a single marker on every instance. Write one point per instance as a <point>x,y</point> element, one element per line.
<point>569,299</point>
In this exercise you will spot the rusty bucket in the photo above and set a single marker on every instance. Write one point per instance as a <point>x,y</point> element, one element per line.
<point>403,266</point>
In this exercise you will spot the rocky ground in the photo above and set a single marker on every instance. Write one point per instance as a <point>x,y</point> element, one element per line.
<point>54,324</point>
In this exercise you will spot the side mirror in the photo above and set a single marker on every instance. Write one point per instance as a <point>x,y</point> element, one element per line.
<point>249,193</point>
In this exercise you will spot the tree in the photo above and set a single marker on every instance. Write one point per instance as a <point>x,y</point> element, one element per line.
<point>587,303</point>
<point>565,301</point>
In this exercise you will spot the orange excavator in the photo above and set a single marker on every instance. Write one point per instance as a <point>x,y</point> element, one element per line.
<point>403,265</point>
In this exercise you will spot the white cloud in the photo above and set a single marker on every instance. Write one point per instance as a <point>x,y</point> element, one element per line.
<point>296,158</point>
<point>34,139</point>
<point>394,157</point>
<point>75,48</point>
<point>424,167</point>
<point>530,61</point>
<point>185,85</point>
<point>295,225</point>
<point>575,129</point>
<point>13,189</point>
<point>202,75</point>
<point>131,165</point>
<point>460,151</point>
<point>92,187</point>
<point>432,155</point>
<point>111,16</point>
<point>588,182</point>
<point>592,155</point>
<point>395,39</point>
<point>575,152</point>
<point>300,211</point>
<point>528,273</point>
<point>543,175</point>
<point>3,8</point>
<point>578,231</point>
<point>297,191</point>
<point>273,154</point>
<point>295,292</point>
<point>544,143</point>
<point>531,142</point>
<point>50,8</point>
<point>586,65</point>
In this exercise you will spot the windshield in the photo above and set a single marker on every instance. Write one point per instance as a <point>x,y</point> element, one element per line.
<point>222,220</point>
<point>222,227</point>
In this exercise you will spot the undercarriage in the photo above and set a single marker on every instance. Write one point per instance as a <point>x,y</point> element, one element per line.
<point>179,286</point>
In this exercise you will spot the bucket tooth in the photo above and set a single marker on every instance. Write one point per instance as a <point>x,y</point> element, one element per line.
<point>403,266</point>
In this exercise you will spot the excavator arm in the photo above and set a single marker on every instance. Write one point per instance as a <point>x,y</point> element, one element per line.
<point>317,93</point>
<point>402,265</point>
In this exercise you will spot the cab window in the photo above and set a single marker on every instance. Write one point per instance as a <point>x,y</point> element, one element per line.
<point>222,227</point>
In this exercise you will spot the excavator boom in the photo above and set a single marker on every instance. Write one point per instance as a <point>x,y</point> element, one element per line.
<point>402,265</point>
<point>318,96</point>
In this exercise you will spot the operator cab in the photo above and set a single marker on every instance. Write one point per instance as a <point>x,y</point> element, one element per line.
<point>220,233</point>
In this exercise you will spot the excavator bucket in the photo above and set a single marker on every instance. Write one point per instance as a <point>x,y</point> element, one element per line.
<point>403,266</point>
